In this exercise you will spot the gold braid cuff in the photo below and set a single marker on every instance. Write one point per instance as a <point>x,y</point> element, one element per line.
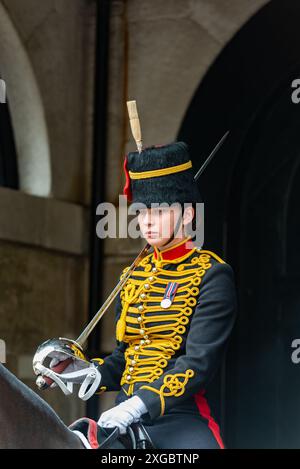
<point>174,386</point>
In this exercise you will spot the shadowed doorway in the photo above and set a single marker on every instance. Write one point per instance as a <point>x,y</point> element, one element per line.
<point>251,194</point>
<point>8,157</point>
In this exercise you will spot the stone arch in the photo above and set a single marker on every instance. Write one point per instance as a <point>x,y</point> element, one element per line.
<point>170,50</point>
<point>26,109</point>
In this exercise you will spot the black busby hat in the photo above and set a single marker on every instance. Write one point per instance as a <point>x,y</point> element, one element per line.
<point>160,174</point>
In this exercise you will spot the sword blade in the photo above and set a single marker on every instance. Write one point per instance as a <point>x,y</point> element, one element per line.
<point>81,340</point>
<point>212,154</point>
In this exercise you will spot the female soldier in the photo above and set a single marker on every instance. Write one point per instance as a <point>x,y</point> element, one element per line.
<point>174,315</point>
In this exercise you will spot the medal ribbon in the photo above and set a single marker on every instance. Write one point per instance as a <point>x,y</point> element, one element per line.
<point>170,291</point>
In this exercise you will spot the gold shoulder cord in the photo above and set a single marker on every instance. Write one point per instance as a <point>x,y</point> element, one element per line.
<point>213,254</point>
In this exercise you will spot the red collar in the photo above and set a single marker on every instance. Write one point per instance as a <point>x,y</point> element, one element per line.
<point>175,251</point>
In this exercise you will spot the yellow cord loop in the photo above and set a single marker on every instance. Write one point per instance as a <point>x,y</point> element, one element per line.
<point>173,385</point>
<point>129,293</point>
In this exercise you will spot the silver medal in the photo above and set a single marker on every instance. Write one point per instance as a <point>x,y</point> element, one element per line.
<point>165,303</point>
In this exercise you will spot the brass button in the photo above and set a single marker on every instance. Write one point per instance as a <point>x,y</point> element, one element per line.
<point>148,341</point>
<point>154,269</point>
<point>136,347</point>
<point>133,362</point>
<point>151,278</point>
<point>139,319</point>
<point>143,296</point>
<point>131,369</point>
<point>142,342</point>
<point>142,331</point>
<point>146,286</point>
<point>128,377</point>
<point>141,308</point>
<point>146,336</point>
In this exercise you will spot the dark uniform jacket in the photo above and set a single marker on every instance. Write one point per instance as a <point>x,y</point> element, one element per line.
<point>166,356</point>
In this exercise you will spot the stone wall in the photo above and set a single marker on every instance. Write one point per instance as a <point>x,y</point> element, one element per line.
<point>47,60</point>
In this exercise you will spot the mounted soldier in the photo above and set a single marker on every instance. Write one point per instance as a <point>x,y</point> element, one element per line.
<point>174,315</point>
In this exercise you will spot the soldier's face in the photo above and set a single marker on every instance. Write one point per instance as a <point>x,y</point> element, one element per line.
<point>157,224</point>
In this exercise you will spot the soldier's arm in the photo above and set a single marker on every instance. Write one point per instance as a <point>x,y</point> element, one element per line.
<point>112,366</point>
<point>210,328</point>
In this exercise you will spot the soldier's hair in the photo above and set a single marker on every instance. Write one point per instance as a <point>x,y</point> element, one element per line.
<point>194,220</point>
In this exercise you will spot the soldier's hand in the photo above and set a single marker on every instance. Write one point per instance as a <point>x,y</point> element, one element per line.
<point>123,414</point>
<point>70,366</point>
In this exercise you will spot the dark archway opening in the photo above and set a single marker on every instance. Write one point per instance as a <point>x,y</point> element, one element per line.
<point>8,157</point>
<point>251,192</point>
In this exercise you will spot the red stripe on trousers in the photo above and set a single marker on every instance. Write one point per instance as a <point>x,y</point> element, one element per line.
<point>205,412</point>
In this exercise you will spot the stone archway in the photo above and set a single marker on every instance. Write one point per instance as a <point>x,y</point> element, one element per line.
<point>27,113</point>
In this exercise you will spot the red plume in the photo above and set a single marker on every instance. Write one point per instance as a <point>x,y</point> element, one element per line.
<point>127,187</point>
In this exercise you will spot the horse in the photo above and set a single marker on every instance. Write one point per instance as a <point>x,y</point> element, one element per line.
<point>27,421</point>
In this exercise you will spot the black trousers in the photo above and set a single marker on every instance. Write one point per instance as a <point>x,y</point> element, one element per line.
<point>189,426</point>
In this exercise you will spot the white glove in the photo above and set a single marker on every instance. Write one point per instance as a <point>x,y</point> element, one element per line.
<point>123,414</point>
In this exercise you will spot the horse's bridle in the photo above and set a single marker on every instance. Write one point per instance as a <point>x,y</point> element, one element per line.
<point>93,436</point>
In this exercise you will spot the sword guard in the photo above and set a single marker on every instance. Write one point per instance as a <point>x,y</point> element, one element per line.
<point>59,368</point>
<point>69,347</point>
